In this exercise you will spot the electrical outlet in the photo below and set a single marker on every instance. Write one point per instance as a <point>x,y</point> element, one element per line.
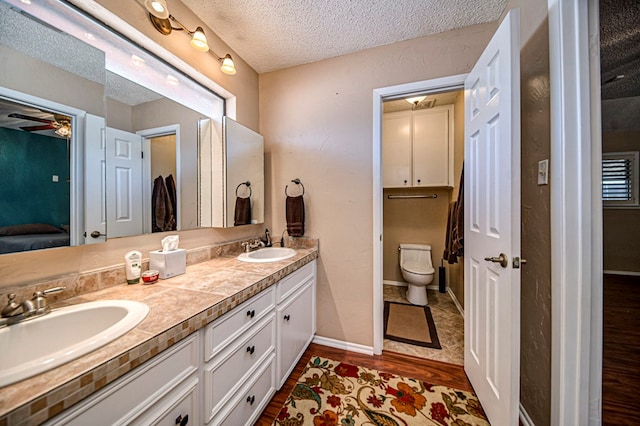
<point>543,172</point>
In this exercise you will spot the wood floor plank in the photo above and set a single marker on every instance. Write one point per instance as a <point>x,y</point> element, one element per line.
<point>434,372</point>
<point>621,350</point>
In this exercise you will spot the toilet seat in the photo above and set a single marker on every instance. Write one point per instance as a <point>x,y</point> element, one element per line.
<point>418,268</point>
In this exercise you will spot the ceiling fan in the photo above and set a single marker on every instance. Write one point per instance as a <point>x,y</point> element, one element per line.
<point>61,123</point>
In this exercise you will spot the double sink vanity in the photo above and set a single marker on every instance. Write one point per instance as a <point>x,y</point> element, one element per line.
<point>214,346</point>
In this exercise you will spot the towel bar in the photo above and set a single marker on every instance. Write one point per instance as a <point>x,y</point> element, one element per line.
<point>297,182</point>
<point>248,183</point>
<point>393,197</point>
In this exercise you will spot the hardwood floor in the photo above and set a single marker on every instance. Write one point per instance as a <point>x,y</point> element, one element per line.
<point>621,350</point>
<point>435,372</point>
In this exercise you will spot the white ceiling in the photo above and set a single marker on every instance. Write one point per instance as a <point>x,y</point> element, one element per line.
<point>274,34</point>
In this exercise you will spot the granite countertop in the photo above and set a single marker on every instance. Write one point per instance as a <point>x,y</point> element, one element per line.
<point>178,307</point>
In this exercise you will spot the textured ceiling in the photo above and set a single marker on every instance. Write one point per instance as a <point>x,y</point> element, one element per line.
<point>620,48</point>
<point>276,34</point>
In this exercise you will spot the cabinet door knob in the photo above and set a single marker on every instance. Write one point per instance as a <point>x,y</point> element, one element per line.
<point>418,180</point>
<point>287,317</point>
<point>182,421</point>
<point>405,181</point>
<point>251,313</point>
<point>251,399</point>
<point>251,349</point>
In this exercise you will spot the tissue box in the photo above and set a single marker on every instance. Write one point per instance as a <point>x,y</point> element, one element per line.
<point>168,263</point>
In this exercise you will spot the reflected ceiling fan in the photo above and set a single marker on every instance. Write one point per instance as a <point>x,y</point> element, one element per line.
<point>60,123</point>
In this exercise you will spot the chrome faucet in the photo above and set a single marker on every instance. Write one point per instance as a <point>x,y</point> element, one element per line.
<point>14,312</point>
<point>252,245</point>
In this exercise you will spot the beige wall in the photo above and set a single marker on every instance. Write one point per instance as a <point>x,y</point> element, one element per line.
<point>535,323</point>
<point>416,220</point>
<point>621,227</point>
<point>317,122</point>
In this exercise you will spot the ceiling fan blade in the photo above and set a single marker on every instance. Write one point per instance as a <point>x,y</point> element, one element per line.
<point>36,128</point>
<point>27,117</point>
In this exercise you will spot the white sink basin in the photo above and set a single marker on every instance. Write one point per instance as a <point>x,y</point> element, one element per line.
<point>267,254</point>
<point>41,344</point>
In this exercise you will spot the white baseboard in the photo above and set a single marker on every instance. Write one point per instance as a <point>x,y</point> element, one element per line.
<point>630,273</point>
<point>524,417</point>
<point>455,301</point>
<point>395,283</point>
<point>340,344</point>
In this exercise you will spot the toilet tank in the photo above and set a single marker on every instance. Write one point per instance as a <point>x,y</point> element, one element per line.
<point>415,253</point>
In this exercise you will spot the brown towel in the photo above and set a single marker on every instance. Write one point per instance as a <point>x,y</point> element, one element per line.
<point>295,216</point>
<point>243,211</point>
<point>457,243</point>
<point>172,192</point>
<point>449,254</point>
<point>162,217</point>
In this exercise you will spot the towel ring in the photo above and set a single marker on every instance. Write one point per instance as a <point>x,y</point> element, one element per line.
<point>297,182</point>
<point>248,183</point>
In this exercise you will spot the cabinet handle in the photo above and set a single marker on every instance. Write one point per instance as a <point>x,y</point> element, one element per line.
<point>251,313</point>
<point>418,180</point>
<point>405,181</point>
<point>251,349</point>
<point>287,317</point>
<point>251,399</point>
<point>182,421</point>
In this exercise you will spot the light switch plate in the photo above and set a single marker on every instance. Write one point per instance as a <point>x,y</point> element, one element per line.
<point>543,172</point>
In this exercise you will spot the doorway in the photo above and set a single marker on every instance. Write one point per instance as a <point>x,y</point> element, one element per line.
<point>161,170</point>
<point>446,84</point>
<point>417,210</point>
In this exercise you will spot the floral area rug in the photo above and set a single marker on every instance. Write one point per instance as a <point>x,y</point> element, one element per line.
<point>333,393</point>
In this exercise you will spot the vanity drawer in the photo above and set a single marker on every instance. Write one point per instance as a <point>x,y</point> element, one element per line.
<point>290,283</point>
<point>248,404</point>
<point>137,391</point>
<point>230,370</point>
<point>236,322</point>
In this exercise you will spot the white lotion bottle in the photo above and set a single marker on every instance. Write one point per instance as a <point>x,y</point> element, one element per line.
<point>133,266</point>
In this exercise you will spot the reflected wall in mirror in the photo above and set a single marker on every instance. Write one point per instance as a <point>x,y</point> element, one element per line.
<point>107,85</point>
<point>239,161</point>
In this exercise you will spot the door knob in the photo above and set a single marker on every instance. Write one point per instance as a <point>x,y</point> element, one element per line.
<point>503,260</point>
<point>97,234</point>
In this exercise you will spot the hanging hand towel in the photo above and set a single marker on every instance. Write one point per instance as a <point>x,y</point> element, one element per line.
<point>162,217</point>
<point>242,214</point>
<point>295,216</point>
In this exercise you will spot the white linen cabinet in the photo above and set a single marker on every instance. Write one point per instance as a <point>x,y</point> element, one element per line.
<point>417,148</point>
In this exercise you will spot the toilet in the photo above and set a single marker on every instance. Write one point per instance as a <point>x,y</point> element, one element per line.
<point>417,270</point>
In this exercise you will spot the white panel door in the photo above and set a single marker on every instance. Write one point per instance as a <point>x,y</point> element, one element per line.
<point>431,147</point>
<point>396,149</point>
<point>124,183</point>
<point>492,225</point>
<point>95,213</point>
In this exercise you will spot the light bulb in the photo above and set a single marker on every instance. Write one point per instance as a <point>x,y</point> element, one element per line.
<point>228,67</point>
<point>157,8</point>
<point>199,40</point>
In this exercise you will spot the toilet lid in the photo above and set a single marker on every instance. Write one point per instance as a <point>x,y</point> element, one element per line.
<point>418,268</point>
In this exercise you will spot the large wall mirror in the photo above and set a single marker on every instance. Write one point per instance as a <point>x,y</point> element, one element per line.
<point>124,133</point>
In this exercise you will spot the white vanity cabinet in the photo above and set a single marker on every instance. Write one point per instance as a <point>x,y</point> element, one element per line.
<point>225,374</point>
<point>239,368</point>
<point>296,318</point>
<point>417,148</point>
<point>158,392</point>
